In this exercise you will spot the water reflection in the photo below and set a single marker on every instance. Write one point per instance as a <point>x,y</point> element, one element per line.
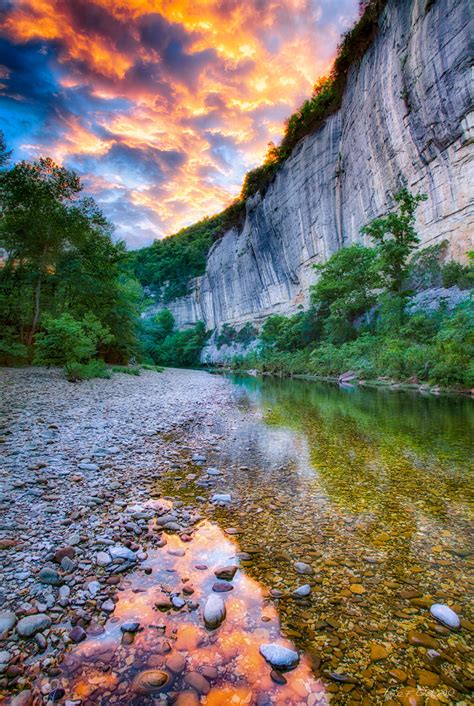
<point>102,669</point>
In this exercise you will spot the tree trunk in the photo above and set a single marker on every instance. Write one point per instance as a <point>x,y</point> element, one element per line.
<point>36,313</point>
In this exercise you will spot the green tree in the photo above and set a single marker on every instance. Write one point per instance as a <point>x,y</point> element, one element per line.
<point>396,239</point>
<point>38,220</point>
<point>346,288</point>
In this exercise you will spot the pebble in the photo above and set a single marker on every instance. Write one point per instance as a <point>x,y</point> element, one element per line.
<point>302,568</point>
<point>302,591</point>
<point>221,498</point>
<point>49,576</point>
<point>77,634</point>
<point>198,682</point>
<point>225,573</point>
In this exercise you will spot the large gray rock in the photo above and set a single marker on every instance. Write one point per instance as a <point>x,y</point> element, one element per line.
<point>31,624</point>
<point>405,119</point>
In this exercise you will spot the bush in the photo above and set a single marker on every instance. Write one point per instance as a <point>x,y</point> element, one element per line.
<point>229,335</point>
<point>456,274</point>
<point>166,346</point>
<point>454,349</point>
<point>66,340</point>
<point>125,369</point>
<point>12,352</point>
<point>76,372</point>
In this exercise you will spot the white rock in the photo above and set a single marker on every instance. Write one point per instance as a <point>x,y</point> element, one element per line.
<point>445,615</point>
<point>279,657</point>
<point>221,498</point>
<point>103,559</point>
<point>302,591</point>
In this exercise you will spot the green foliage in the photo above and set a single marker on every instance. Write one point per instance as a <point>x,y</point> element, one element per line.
<point>396,239</point>
<point>229,335</point>
<point>345,290</point>
<point>166,346</point>
<point>127,370</point>
<point>437,348</point>
<point>12,352</point>
<point>60,259</point>
<point>454,349</point>
<point>289,333</point>
<point>67,340</point>
<point>456,274</point>
<point>75,372</point>
<point>425,269</point>
<point>167,265</point>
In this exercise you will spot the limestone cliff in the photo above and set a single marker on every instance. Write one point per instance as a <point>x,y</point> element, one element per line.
<point>406,119</point>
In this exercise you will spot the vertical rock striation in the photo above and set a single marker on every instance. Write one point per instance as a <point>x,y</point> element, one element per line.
<point>406,119</point>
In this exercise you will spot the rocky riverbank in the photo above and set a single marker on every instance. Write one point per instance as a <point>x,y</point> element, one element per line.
<point>76,459</point>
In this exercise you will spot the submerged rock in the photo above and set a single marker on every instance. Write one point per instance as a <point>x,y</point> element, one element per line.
<point>279,657</point>
<point>151,681</point>
<point>214,612</point>
<point>221,498</point>
<point>302,568</point>
<point>226,573</point>
<point>302,591</point>
<point>445,615</point>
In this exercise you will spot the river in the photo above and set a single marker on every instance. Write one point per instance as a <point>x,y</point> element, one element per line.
<point>364,496</point>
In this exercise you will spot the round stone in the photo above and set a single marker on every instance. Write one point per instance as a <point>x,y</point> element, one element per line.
<point>49,576</point>
<point>151,681</point>
<point>7,621</point>
<point>214,612</point>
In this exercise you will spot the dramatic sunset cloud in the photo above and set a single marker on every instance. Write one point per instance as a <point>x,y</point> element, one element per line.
<point>160,105</point>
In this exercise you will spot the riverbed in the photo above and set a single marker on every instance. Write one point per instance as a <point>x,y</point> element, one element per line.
<point>344,515</point>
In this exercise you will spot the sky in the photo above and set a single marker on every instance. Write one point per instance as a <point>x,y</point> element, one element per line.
<point>161,106</point>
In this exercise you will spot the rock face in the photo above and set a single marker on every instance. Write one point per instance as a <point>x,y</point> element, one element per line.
<point>405,120</point>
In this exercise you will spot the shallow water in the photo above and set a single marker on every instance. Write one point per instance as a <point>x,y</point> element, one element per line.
<point>372,489</point>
